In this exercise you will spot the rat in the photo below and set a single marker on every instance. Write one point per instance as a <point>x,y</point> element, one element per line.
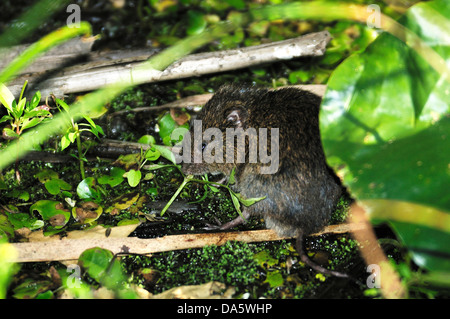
<point>301,191</point>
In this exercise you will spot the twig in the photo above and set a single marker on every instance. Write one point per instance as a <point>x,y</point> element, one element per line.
<point>201,99</point>
<point>390,283</point>
<point>70,249</point>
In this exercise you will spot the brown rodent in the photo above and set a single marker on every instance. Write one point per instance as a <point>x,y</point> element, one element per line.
<point>302,191</point>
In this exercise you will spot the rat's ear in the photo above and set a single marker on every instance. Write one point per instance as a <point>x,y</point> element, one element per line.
<point>236,116</point>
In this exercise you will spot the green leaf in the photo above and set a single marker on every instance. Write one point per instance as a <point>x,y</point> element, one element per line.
<point>416,225</point>
<point>65,142</point>
<point>101,265</point>
<point>95,261</point>
<point>54,186</point>
<point>30,123</point>
<point>166,153</point>
<point>19,108</point>
<point>52,212</point>
<point>87,213</point>
<point>114,179</point>
<point>236,203</point>
<point>152,154</point>
<point>5,118</point>
<point>31,288</point>
<point>86,189</point>
<point>63,105</point>
<point>10,133</point>
<point>19,220</point>
<point>166,126</point>
<point>231,179</point>
<point>299,76</point>
<point>196,22</point>
<point>6,230</point>
<point>6,97</point>
<point>385,122</point>
<point>248,201</point>
<point>264,259</point>
<point>45,175</point>
<point>35,100</point>
<point>134,177</point>
<point>274,278</point>
<point>147,139</point>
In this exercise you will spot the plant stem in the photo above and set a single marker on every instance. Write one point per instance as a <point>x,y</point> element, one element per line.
<point>80,157</point>
<point>186,180</point>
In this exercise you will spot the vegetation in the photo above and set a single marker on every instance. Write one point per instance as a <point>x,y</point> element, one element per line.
<point>384,125</point>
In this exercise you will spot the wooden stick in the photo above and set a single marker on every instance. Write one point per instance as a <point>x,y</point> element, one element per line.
<point>201,99</point>
<point>70,249</point>
<point>313,44</point>
<point>52,59</point>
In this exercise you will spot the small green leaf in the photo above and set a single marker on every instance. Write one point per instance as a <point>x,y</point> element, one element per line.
<point>20,107</point>
<point>54,186</point>
<point>213,189</point>
<point>5,118</point>
<point>274,279</point>
<point>20,220</point>
<point>87,213</point>
<point>35,100</point>
<point>101,265</point>
<point>196,22</point>
<point>10,133</point>
<point>52,212</point>
<point>264,259</point>
<point>65,142</point>
<point>30,123</point>
<point>31,288</point>
<point>152,154</point>
<point>147,139</point>
<point>299,76</point>
<point>6,97</point>
<point>166,153</point>
<point>45,175</point>
<point>134,177</point>
<point>114,179</point>
<point>231,179</point>
<point>63,105</point>
<point>166,126</point>
<point>95,261</point>
<point>6,230</point>
<point>248,201</point>
<point>86,189</point>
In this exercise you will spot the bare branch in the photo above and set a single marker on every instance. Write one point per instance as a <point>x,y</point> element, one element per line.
<point>88,78</point>
<point>70,249</point>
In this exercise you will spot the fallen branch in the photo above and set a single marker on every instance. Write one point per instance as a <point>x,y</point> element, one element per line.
<point>88,78</point>
<point>70,249</point>
<point>53,59</point>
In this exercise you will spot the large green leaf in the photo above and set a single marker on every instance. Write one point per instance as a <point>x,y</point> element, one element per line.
<point>385,127</point>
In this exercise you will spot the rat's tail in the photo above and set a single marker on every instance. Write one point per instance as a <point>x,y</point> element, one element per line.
<point>304,258</point>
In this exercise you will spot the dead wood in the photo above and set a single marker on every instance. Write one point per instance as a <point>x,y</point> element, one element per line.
<point>94,75</point>
<point>70,249</point>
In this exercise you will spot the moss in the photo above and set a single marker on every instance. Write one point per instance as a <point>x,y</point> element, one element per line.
<point>232,264</point>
